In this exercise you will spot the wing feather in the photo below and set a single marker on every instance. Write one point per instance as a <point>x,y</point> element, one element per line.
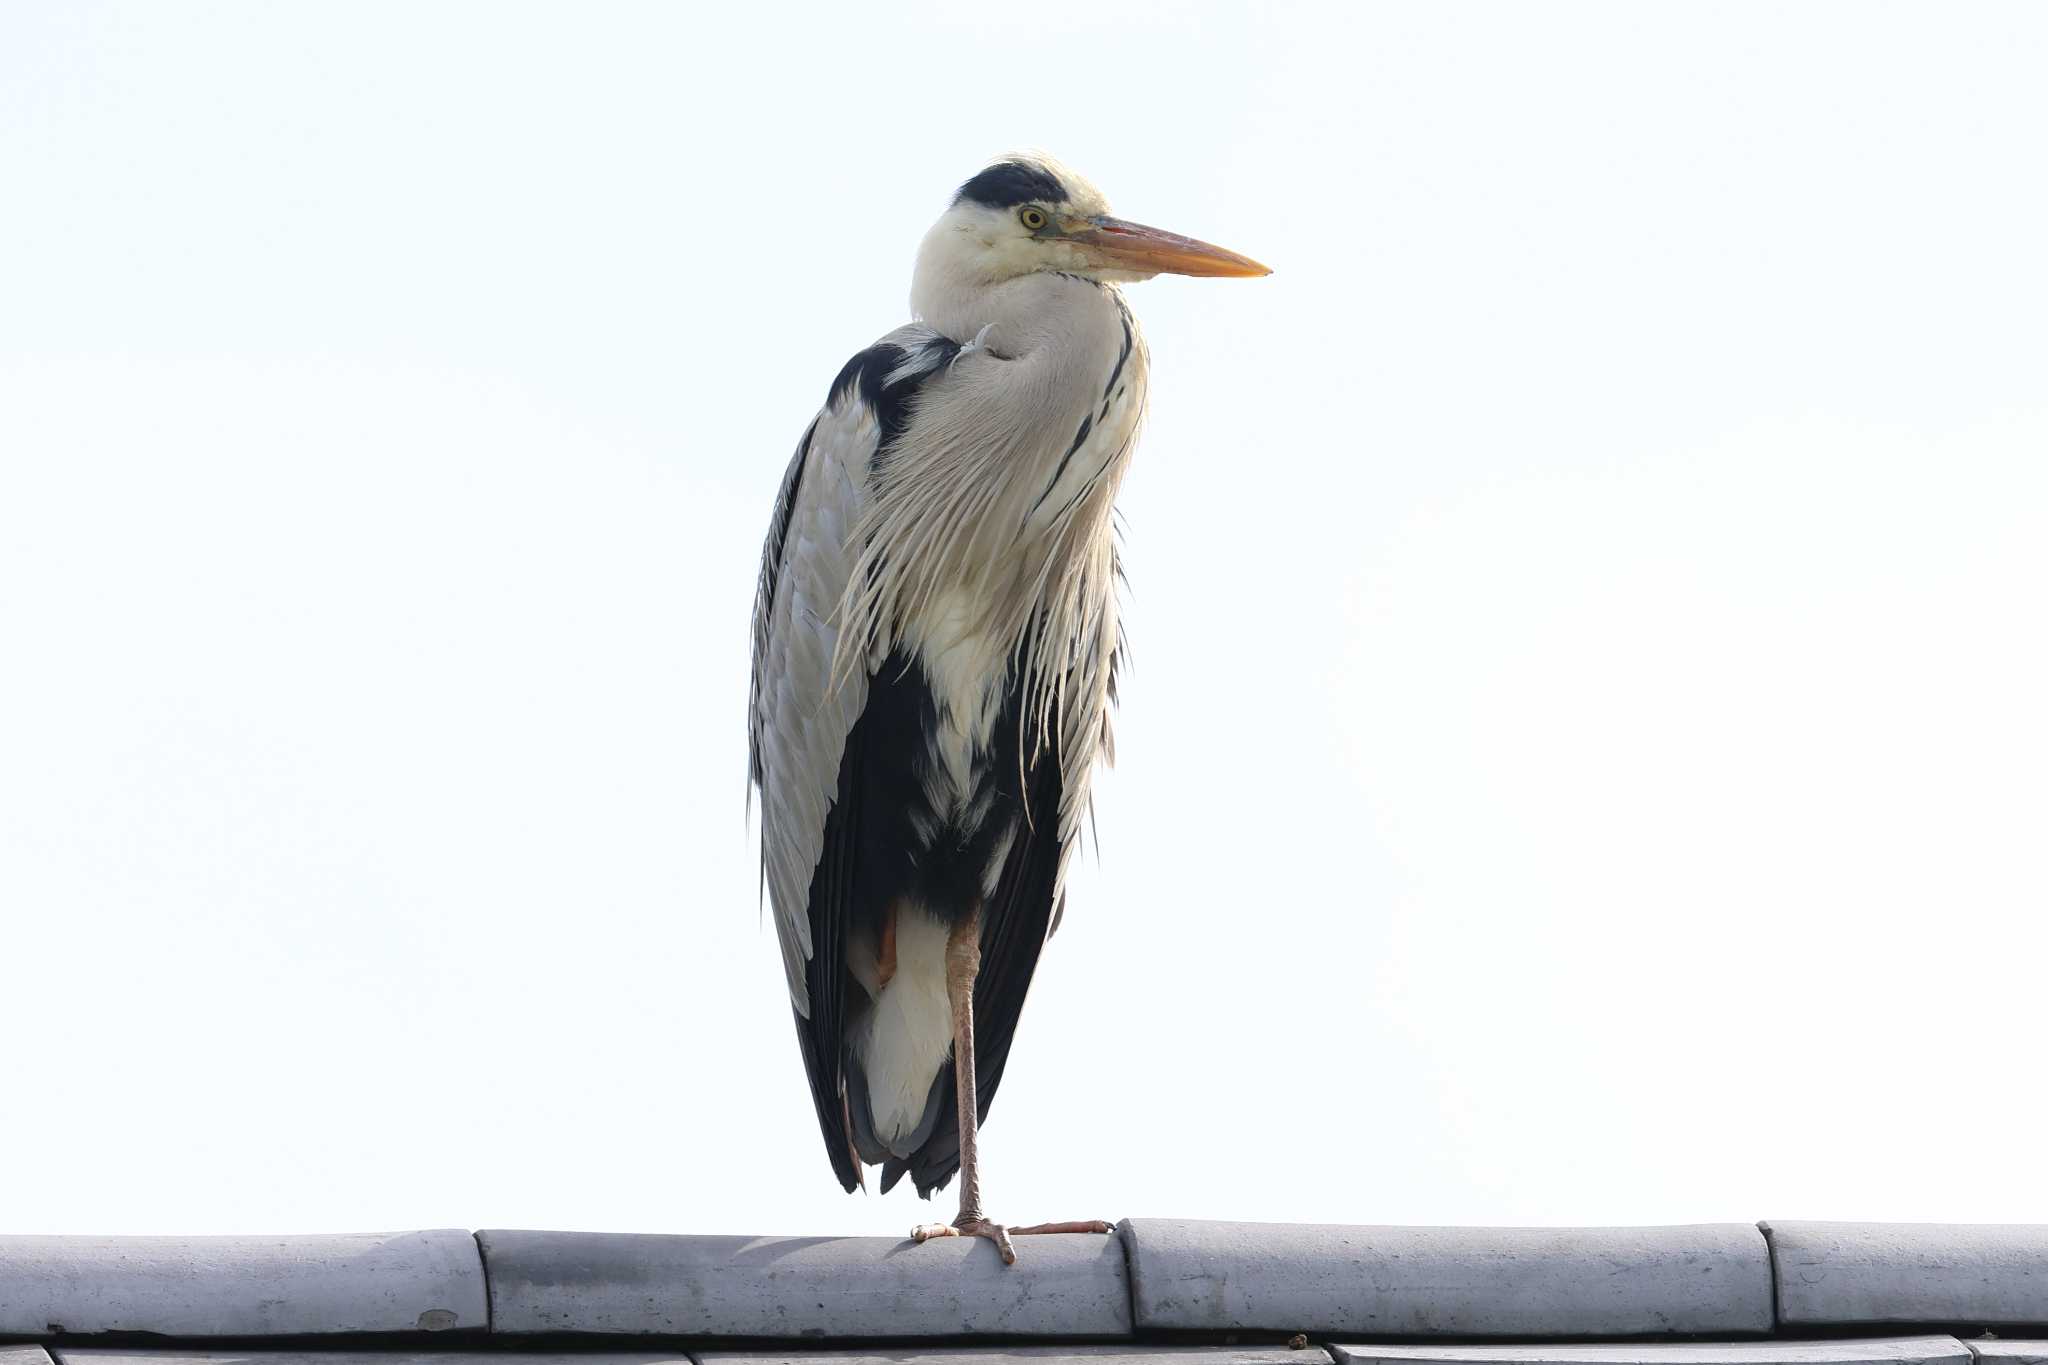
<point>800,717</point>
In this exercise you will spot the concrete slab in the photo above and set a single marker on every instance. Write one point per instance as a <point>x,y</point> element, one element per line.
<point>1034,1355</point>
<point>790,1288</point>
<point>1332,1280</point>
<point>1853,1273</point>
<point>1920,1350</point>
<point>23,1355</point>
<point>98,1355</point>
<point>241,1286</point>
<point>2009,1350</point>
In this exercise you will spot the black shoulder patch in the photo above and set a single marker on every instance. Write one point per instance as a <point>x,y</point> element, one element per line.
<point>887,377</point>
<point>865,375</point>
<point>1010,183</point>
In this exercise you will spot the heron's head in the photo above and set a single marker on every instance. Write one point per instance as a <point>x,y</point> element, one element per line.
<point>1027,215</point>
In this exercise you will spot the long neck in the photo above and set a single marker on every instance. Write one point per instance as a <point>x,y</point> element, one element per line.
<point>1006,474</point>
<point>950,288</point>
<point>1063,363</point>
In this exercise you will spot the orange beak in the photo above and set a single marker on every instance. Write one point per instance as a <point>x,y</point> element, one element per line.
<point>1133,246</point>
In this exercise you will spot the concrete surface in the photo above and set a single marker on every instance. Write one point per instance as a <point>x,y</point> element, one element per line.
<point>1424,1282</point>
<point>23,1355</point>
<point>1035,1355</point>
<point>1961,1274</point>
<point>241,1286</point>
<point>1925,1350</point>
<point>790,1288</point>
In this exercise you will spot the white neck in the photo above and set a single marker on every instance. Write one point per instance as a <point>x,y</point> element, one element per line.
<point>966,281</point>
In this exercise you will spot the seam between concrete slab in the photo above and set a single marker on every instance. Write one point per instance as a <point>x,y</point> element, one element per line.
<point>1123,1243</point>
<point>1771,1264</point>
<point>484,1267</point>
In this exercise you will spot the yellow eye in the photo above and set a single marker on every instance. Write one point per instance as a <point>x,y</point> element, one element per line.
<point>1033,219</point>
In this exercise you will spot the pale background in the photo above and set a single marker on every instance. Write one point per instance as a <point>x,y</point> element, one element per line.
<point>1585,755</point>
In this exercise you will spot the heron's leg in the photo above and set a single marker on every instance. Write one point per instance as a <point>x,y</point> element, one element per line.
<point>963,963</point>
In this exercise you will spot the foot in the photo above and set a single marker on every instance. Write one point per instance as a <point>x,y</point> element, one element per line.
<point>966,1226</point>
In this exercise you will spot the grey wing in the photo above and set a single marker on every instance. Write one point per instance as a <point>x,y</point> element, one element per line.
<point>811,686</point>
<point>801,710</point>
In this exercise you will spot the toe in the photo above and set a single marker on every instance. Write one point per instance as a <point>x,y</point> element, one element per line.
<point>993,1231</point>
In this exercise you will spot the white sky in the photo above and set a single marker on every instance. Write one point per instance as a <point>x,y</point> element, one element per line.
<point>1585,756</point>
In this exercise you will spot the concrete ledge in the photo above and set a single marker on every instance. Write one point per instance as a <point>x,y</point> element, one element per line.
<point>1928,1350</point>
<point>241,1286</point>
<point>1423,1282</point>
<point>790,1288</point>
<point>1037,1355</point>
<point>1486,1286</point>
<point>23,1355</point>
<point>1851,1273</point>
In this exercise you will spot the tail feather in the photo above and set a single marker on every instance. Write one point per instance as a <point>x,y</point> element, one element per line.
<point>873,1150</point>
<point>931,1161</point>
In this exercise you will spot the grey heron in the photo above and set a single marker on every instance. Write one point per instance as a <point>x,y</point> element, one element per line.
<point>935,652</point>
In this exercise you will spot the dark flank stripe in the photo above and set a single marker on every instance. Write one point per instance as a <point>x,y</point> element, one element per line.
<point>1122,356</point>
<point>1015,919</point>
<point>884,844</point>
<point>1087,425</point>
<point>1083,490</point>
